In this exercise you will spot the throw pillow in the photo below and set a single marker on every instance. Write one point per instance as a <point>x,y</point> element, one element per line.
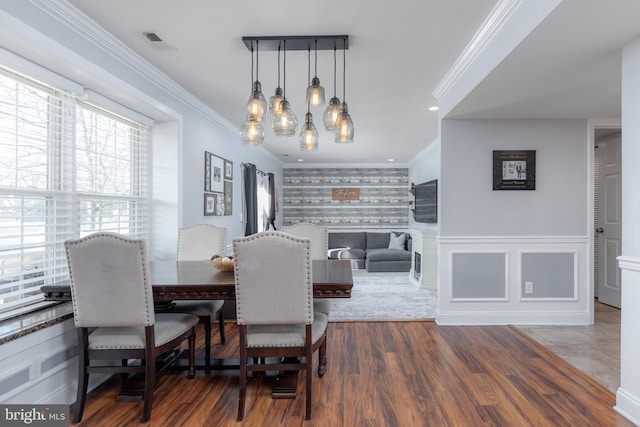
<point>396,241</point>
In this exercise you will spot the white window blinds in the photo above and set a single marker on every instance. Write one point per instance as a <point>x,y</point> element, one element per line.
<point>66,170</point>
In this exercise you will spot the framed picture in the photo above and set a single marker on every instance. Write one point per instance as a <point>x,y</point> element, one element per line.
<point>207,171</point>
<point>213,175</point>
<point>209,204</point>
<point>228,169</point>
<point>228,198</point>
<point>514,169</point>
<point>219,205</point>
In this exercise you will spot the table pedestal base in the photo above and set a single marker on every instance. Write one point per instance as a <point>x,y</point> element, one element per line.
<point>285,385</point>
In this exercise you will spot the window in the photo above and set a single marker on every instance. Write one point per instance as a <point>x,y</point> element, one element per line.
<point>264,201</point>
<point>67,169</point>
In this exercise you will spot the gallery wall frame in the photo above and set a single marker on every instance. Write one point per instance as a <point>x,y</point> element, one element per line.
<point>228,197</point>
<point>209,204</point>
<point>213,173</point>
<point>218,185</point>
<point>514,169</point>
<point>228,170</point>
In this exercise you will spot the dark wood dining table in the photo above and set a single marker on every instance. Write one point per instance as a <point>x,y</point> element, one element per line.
<point>193,280</point>
<point>198,280</point>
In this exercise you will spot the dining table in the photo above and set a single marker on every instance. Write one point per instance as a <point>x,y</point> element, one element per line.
<point>199,280</point>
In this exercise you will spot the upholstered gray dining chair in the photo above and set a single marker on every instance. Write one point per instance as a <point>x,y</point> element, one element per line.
<point>319,248</point>
<point>114,314</point>
<point>198,243</point>
<point>274,305</point>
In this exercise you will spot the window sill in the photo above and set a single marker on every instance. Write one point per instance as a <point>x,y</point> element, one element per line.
<point>25,324</point>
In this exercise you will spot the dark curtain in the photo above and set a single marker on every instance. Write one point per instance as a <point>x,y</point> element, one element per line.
<point>272,197</point>
<point>250,199</point>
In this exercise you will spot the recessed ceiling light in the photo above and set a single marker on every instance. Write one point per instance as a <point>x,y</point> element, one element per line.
<point>390,160</point>
<point>434,108</point>
<point>300,160</point>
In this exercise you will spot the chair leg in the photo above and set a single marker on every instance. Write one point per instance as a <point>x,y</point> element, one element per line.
<point>83,376</point>
<point>207,342</point>
<point>191,372</point>
<point>149,374</point>
<point>322,358</point>
<point>221,327</point>
<point>309,378</point>
<point>242,388</point>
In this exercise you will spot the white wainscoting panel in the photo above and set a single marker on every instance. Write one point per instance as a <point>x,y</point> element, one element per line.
<point>514,309</point>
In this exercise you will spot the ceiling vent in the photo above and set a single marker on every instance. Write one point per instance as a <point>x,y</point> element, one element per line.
<point>155,41</point>
<point>153,37</point>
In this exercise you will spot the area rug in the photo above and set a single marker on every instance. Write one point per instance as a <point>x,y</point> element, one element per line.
<point>386,297</point>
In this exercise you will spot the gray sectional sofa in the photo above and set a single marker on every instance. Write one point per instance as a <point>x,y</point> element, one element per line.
<point>370,250</point>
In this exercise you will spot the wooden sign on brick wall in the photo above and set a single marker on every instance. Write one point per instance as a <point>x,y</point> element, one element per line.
<point>345,194</point>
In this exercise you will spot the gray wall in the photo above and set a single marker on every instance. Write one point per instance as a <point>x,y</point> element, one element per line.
<point>492,243</point>
<point>557,207</point>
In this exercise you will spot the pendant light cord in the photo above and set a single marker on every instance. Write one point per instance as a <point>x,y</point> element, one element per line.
<point>278,64</point>
<point>344,71</point>
<point>316,59</point>
<point>257,58</point>
<point>334,69</point>
<point>251,66</point>
<point>284,73</point>
<point>309,76</point>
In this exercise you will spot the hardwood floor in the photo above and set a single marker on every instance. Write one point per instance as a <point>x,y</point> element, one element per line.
<point>388,374</point>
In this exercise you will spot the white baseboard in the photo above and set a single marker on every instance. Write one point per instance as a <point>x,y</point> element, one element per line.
<point>628,406</point>
<point>512,318</point>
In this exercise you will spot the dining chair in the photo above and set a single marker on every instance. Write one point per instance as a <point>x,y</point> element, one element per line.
<point>114,314</point>
<point>319,236</point>
<point>274,304</point>
<point>198,243</point>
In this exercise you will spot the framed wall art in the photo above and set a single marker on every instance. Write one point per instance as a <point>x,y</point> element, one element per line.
<point>207,171</point>
<point>514,169</point>
<point>209,204</point>
<point>218,185</point>
<point>228,197</point>
<point>217,169</point>
<point>228,169</point>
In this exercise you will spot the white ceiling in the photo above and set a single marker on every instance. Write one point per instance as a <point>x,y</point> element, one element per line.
<point>567,67</point>
<point>399,51</point>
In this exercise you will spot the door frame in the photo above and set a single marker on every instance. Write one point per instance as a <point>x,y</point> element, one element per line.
<point>592,125</point>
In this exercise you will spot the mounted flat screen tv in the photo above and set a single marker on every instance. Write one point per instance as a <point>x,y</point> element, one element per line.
<point>426,205</point>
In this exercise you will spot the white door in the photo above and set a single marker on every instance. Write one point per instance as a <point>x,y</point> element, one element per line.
<point>609,228</point>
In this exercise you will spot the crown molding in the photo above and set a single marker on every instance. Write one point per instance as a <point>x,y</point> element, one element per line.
<point>69,16</point>
<point>491,26</point>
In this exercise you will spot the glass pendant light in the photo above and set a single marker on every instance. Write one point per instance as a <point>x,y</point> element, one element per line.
<point>315,92</point>
<point>276,99</point>
<point>257,104</point>
<point>252,132</point>
<point>343,129</point>
<point>284,122</point>
<point>333,109</point>
<point>309,133</point>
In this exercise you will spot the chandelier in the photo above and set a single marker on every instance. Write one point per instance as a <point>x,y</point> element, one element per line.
<point>278,111</point>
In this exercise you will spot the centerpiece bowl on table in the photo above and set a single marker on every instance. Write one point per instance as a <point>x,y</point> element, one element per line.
<point>222,263</point>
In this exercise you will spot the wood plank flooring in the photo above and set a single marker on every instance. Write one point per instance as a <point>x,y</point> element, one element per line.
<point>380,374</point>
